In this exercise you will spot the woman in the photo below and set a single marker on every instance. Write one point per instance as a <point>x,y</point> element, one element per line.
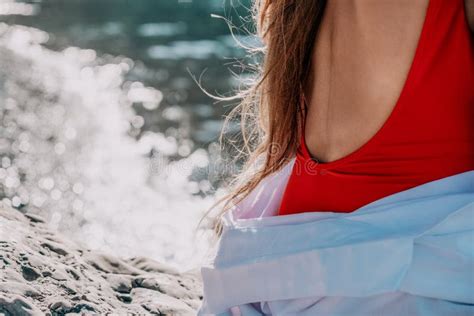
<point>363,157</point>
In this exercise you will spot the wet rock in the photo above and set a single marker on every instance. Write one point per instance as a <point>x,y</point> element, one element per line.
<point>150,265</point>
<point>69,287</point>
<point>29,273</point>
<point>18,306</point>
<point>158,303</point>
<point>80,281</point>
<point>34,218</point>
<point>120,283</point>
<point>73,273</point>
<point>55,247</point>
<point>12,287</point>
<point>59,275</point>
<point>109,264</point>
<point>61,306</point>
<point>126,298</point>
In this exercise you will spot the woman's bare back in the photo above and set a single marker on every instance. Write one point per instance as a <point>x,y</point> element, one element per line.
<point>363,53</point>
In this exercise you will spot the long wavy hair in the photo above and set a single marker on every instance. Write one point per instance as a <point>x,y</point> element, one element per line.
<point>270,112</point>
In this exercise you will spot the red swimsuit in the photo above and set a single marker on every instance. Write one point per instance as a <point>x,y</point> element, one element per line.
<point>429,134</point>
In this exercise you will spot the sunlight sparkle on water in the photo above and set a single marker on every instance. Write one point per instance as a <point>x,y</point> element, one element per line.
<point>66,153</point>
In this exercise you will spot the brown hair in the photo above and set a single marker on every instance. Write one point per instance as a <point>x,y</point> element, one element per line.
<point>270,114</point>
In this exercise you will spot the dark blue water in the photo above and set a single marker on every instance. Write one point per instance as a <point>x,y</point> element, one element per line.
<point>118,159</point>
<point>169,40</point>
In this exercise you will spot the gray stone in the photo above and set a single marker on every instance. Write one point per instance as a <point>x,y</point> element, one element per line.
<point>80,281</point>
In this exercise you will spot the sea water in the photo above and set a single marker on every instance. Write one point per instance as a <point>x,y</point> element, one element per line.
<point>103,131</point>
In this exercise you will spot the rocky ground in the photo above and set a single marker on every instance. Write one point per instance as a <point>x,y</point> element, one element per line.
<point>43,273</point>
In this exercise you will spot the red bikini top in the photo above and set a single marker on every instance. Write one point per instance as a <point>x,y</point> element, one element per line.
<point>428,135</point>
